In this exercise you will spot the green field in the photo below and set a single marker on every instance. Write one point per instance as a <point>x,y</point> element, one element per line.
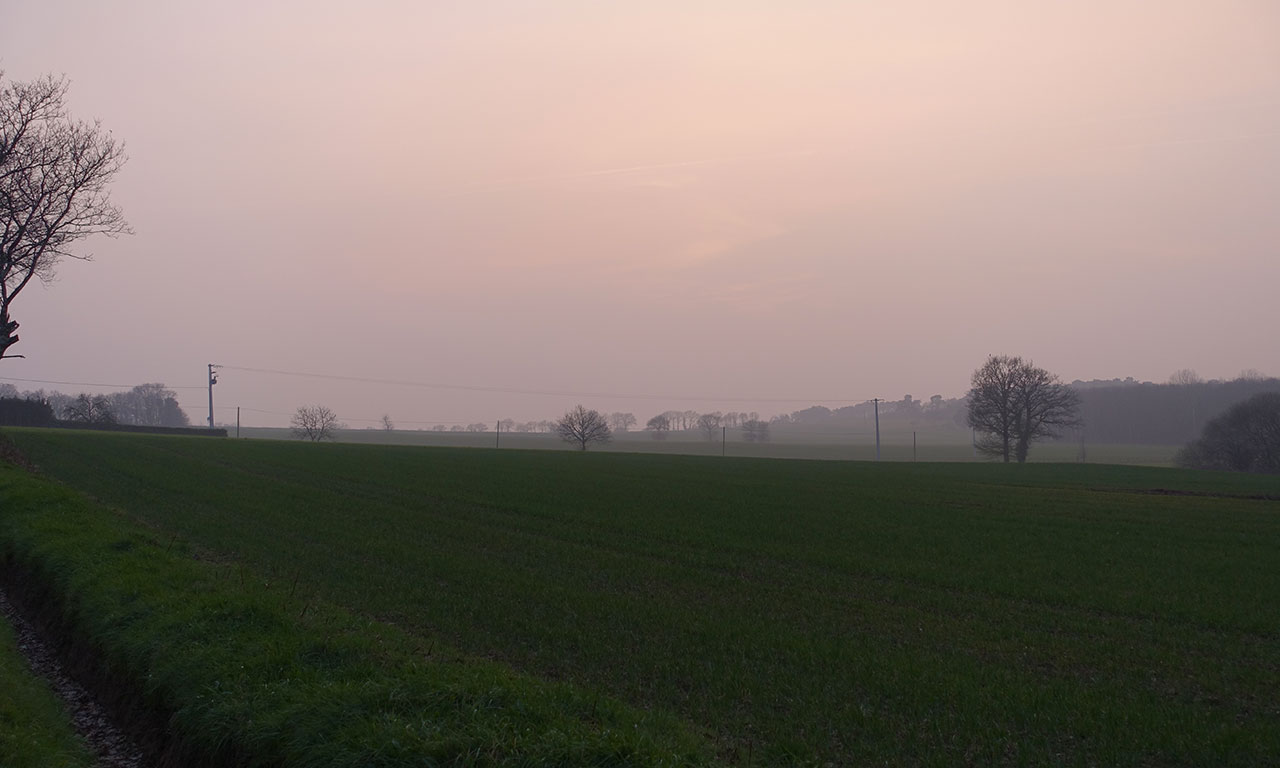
<point>824,612</point>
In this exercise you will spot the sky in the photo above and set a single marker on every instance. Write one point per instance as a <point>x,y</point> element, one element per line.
<point>515,206</point>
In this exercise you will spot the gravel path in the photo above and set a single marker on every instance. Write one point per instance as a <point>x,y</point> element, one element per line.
<point>113,748</point>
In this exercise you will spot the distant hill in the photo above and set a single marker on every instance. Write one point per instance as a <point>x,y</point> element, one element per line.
<point>1114,411</point>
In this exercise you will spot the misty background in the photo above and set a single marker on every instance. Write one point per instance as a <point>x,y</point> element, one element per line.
<point>648,206</point>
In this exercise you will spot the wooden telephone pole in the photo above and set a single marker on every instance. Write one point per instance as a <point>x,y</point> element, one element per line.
<point>876,400</point>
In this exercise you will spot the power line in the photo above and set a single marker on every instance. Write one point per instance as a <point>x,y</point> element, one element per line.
<point>344,418</point>
<point>88,383</point>
<point>461,387</point>
<point>449,386</point>
<point>781,428</point>
<point>540,392</point>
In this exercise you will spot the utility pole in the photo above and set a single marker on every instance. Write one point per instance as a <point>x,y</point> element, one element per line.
<point>213,379</point>
<point>913,446</point>
<point>237,422</point>
<point>497,433</point>
<point>876,400</point>
<point>724,431</point>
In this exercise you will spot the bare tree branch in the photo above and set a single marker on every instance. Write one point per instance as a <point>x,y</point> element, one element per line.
<point>54,178</point>
<point>90,409</point>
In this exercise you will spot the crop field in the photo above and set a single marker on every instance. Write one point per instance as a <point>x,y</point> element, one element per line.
<point>792,612</point>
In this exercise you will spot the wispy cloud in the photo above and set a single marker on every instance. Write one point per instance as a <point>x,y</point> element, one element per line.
<point>533,181</point>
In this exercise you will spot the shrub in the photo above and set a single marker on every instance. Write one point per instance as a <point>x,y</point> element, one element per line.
<point>18,412</point>
<point>1244,439</point>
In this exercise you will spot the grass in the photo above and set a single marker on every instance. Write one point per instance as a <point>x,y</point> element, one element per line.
<point>35,731</point>
<point>239,670</point>
<point>801,612</point>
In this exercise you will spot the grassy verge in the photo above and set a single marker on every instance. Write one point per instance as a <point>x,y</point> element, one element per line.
<point>240,671</point>
<point>34,728</point>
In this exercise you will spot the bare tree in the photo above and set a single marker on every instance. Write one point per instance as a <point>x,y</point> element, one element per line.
<point>689,419</point>
<point>673,419</point>
<point>621,422</point>
<point>314,423</point>
<point>709,423</point>
<point>993,405</point>
<point>583,426</point>
<point>152,405</point>
<point>57,401</point>
<point>1185,377</point>
<point>54,179</point>
<point>659,426</point>
<point>90,409</point>
<point>1047,407</point>
<point>755,431</point>
<point>1013,403</point>
<point>387,423</point>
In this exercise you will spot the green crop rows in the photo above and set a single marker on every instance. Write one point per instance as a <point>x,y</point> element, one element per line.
<point>824,612</point>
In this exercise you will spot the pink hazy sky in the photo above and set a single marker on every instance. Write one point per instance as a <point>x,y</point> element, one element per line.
<point>637,205</point>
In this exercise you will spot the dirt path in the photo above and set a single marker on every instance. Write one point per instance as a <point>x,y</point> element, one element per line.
<point>112,747</point>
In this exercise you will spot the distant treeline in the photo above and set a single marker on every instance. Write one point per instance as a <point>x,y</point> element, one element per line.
<point>146,405</point>
<point>937,413</point>
<point>1114,411</point>
<point>1159,414</point>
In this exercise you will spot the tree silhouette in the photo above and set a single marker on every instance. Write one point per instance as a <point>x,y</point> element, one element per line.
<point>1244,439</point>
<point>314,423</point>
<point>54,178</point>
<point>583,426</point>
<point>1013,403</point>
